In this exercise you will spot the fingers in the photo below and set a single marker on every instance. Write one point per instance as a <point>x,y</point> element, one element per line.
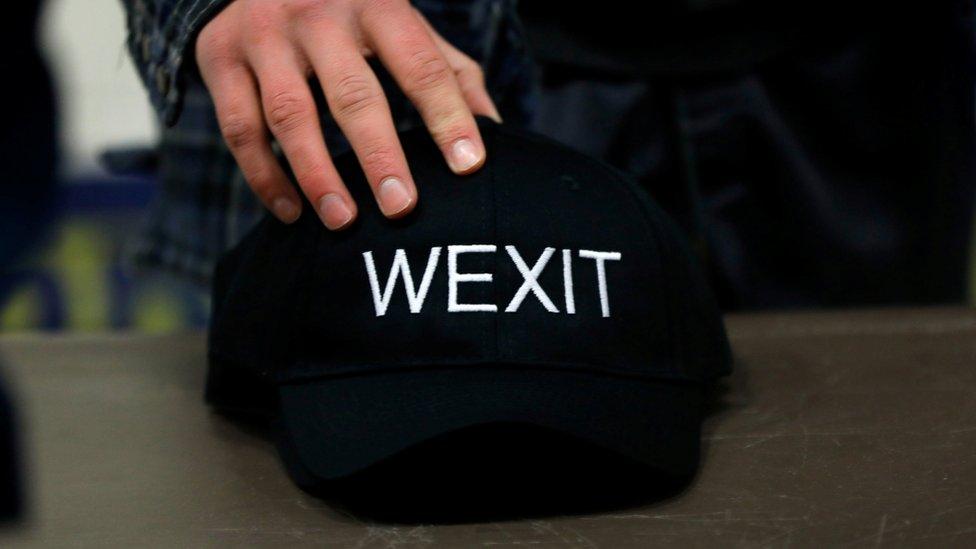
<point>470,77</point>
<point>238,108</point>
<point>358,105</point>
<point>421,70</point>
<point>254,58</point>
<point>290,113</point>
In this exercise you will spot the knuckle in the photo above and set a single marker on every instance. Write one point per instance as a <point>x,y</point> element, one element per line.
<point>354,94</point>
<point>217,62</point>
<point>323,23</point>
<point>427,70</point>
<point>447,125</point>
<point>471,79</point>
<point>261,20</point>
<point>380,159</point>
<point>286,111</point>
<point>305,10</point>
<point>261,183</point>
<point>474,72</point>
<point>211,37</point>
<point>448,135</point>
<point>380,6</point>
<point>309,170</point>
<point>214,48</point>
<point>238,132</point>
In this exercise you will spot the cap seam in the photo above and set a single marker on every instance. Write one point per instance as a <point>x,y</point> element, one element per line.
<point>492,182</point>
<point>676,336</point>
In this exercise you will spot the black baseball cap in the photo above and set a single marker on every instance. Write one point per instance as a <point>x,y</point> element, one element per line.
<point>545,289</point>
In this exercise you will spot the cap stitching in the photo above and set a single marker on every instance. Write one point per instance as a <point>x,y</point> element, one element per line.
<point>494,233</point>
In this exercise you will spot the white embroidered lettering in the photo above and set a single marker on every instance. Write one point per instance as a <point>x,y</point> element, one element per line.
<point>568,282</point>
<point>454,278</point>
<point>401,266</point>
<point>416,295</point>
<point>530,280</point>
<point>601,274</point>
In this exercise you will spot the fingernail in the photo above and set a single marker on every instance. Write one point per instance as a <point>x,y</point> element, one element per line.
<point>285,209</point>
<point>494,115</point>
<point>464,156</point>
<point>394,196</point>
<point>334,211</point>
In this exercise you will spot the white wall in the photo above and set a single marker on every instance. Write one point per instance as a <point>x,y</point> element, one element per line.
<point>102,102</point>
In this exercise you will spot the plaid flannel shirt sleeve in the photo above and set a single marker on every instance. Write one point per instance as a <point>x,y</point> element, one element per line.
<point>159,34</point>
<point>204,206</point>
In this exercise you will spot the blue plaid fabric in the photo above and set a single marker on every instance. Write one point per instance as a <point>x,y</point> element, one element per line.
<point>204,205</point>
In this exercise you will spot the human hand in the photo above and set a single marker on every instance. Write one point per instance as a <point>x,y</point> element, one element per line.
<point>255,58</point>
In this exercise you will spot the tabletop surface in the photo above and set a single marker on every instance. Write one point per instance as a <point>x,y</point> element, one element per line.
<point>836,428</point>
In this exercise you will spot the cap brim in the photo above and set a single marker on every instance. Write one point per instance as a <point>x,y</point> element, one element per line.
<point>334,427</point>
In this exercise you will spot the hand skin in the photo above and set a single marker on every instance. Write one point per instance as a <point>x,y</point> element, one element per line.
<point>256,57</point>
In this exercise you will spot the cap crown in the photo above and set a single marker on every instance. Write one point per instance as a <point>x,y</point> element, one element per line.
<point>544,258</point>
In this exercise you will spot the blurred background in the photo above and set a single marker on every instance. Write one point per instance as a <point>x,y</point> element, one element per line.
<point>76,279</point>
